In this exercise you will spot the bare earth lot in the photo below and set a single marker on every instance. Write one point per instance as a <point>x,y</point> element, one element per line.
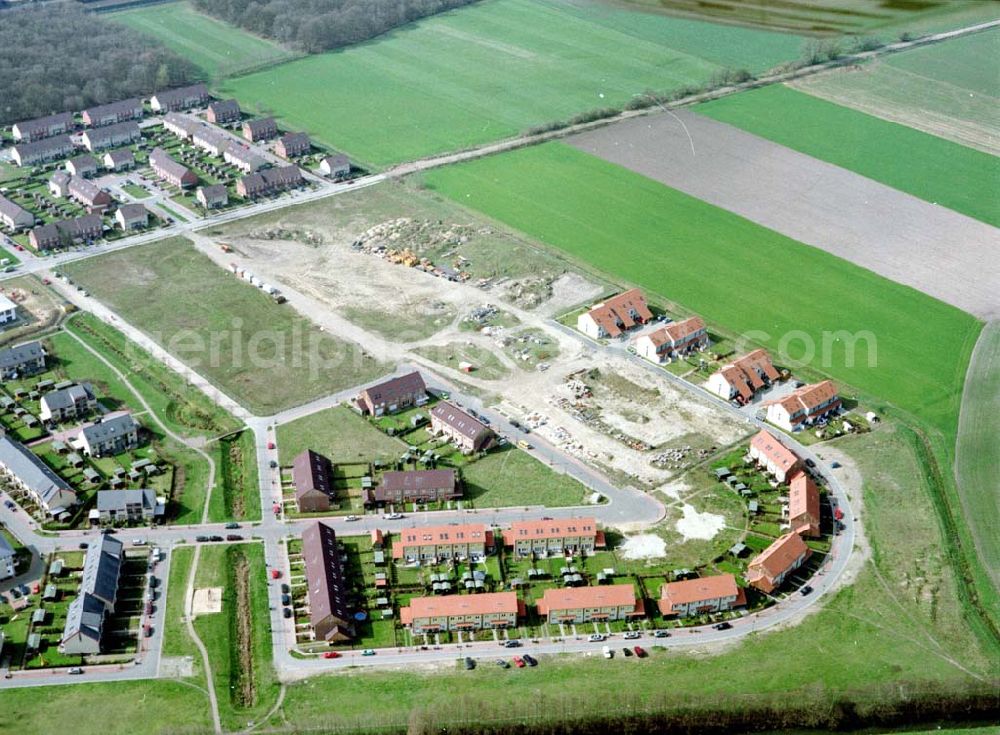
<point>944,254</point>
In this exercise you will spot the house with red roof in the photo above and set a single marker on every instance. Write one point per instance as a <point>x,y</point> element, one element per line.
<point>773,457</point>
<point>590,604</point>
<point>673,341</point>
<point>462,612</point>
<point>743,378</point>
<point>615,316</point>
<point>805,406</point>
<point>574,535</point>
<point>717,593</point>
<point>803,505</point>
<point>427,543</point>
<point>769,569</point>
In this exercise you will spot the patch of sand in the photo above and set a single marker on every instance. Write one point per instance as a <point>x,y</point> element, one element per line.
<point>207,600</point>
<point>695,525</point>
<point>644,546</point>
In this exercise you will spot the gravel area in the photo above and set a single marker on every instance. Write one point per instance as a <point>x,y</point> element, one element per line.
<point>944,254</point>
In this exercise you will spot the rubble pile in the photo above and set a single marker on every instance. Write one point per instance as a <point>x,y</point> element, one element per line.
<point>284,233</point>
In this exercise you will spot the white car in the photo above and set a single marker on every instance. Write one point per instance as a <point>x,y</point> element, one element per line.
<point>393,516</point>
<point>608,653</point>
<point>353,518</point>
<point>597,638</point>
<point>632,635</point>
<point>138,542</point>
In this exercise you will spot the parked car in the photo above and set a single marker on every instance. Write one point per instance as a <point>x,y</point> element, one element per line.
<point>810,463</point>
<point>632,635</point>
<point>470,663</point>
<point>640,651</point>
<point>84,545</point>
<point>270,445</point>
<point>722,626</point>
<point>512,644</point>
<point>274,464</point>
<point>233,537</point>
<point>530,660</point>
<point>285,589</point>
<point>661,633</point>
<point>597,638</point>
<point>352,518</point>
<point>201,539</point>
<point>149,607</point>
<point>368,652</point>
<point>627,651</point>
<point>608,653</point>
<point>286,599</point>
<point>393,516</point>
<point>232,525</point>
<point>147,630</point>
<point>805,590</point>
<point>215,538</point>
<point>331,654</point>
<point>138,542</point>
<point>519,662</point>
<point>287,612</point>
<point>503,663</point>
<point>74,670</point>
<point>153,582</point>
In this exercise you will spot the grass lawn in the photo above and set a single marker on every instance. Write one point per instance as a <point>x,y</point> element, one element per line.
<point>671,244</point>
<point>914,162</point>
<point>217,48</point>
<point>524,62</point>
<point>237,493</point>
<point>977,463</point>
<point>510,477</point>
<point>942,88</point>
<point>136,191</point>
<point>236,675</point>
<point>152,707</point>
<point>176,641</point>
<point>859,637</point>
<point>340,434</point>
<point>261,353</point>
<point>182,407</point>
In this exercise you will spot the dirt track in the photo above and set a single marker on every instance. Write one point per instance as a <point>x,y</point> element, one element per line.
<point>944,254</point>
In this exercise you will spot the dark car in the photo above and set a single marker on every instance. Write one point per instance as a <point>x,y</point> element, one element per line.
<point>233,537</point>
<point>285,589</point>
<point>153,582</point>
<point>286,599</point>
<point>274,465</point>
<point>530,660</point>
<point>512,644</point>
<point>287,612</point>
<point>503,663</point>
<point>201,539</point>
<point>232,525</point>
<point>215,538</point>
<point>810,463</point>
<point>470,663</point>
<point>84,545</point>
<point>661,633</point>
<point>722,626</point>
<point>805,590</point>
<point>627,651</point>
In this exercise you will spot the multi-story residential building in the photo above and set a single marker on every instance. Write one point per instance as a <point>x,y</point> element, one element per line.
<point>59,184</point>
<point>803,505</point>
<point>556,536</point>
<point>8,310</point>
<point>743,378</point>
<point>590,604</point>
<point>462,612</point>
<point>428,543</point>
<point>212,196</point>
<point>132,217</point>
<point>464,431</point>
<point>263,128</point>
<point>328,585</point>
<point>769,569</point>
<point>269,181</point>
<point>82,166</point>
<point>211,140</point>
<point>290,145</point>
<point>110,136</point>
<point>414,486</point>
<point>335,167</point>
<point>673,341</point>
<point>40,151</point>
<point>111,434</point>
<point>312,475</point>
<point>20,360</point>
<point>773,456</point>
<point>89,194</point>
<point>13,216</point>
<point>182,98</point>
<point>244,159</point>
<point>88,228</point>
<point>169,170</point>
<point>223,111</point>
<point>805,406</point>
<point>115,112</point>
<point>180,125</point>
<point>7,559</point>
<point>615,316</point>
<point>129,506</point>
<point>65,404</point>
<point>393,395</point>
<point>28,131</point>
<point>702,595</point>
<point>28,472</point>
<point>102,569</point>
<point>121,159</point>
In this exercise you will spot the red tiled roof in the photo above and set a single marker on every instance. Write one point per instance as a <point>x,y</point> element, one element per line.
<point>575,598</point>
<point>774,450</point>
<point>449,605</point>
<point>803,504</point>
<point>618,309</point>
<point>677,331</point>
<point>570,527</point>
<point>776,558</point>
<point>417,536</point>
<point>745,372</point>
<point>698,590</point>
<point>809,397</point>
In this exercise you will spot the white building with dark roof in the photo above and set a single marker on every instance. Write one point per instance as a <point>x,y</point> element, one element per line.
<point>27,470</point>
<point>13,216</point>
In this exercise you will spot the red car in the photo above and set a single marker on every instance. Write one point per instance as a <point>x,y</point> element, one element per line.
<point>640,651</point>
<point>270,445</point>
<point>519,662</point>
<point>331,654</point>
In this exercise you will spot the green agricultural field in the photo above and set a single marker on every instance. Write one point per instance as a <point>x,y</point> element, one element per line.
<point>944,89</point>
<point>696,255</point>
<point>263,354</point>
<point>914,162</point>
<point>493,69</point>
<point>215,47</point>
<point>977,462</point>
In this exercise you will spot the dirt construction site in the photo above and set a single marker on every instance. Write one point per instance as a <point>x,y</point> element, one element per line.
<point>633,425</point>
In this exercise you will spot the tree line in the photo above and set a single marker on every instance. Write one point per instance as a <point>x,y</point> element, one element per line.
<point>321,25</point>
<point>57,57</point>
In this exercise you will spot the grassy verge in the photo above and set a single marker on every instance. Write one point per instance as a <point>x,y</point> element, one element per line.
<point>237,493</point>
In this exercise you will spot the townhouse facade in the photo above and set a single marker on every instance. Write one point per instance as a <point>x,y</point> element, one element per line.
<point>312,475</point>
<point>805,406</point>
<point>578,605</point>
<point>769,569</point>
<point>556,536</point>
<point>803,506</point>
<point>23,359</point>
<point>773,457</point>
<point>327,585</point>
<point>13,216</point>
<point>112,136</point>
<point>98,595</point>
<point>491,610</point>
<point>717,593</point>
<point>414,486</point>
<point>465,432</point>
<point>428,543</point>
<point>393,395</point>
<point>129,506</point>
<point>673,341</point>
<point>114,112</point>
<point>614,317</point>
<point>30,474</point>
<point>41,151</point>
<point>182,98</point>
<point>743,378</point>
<point>28,131</point>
